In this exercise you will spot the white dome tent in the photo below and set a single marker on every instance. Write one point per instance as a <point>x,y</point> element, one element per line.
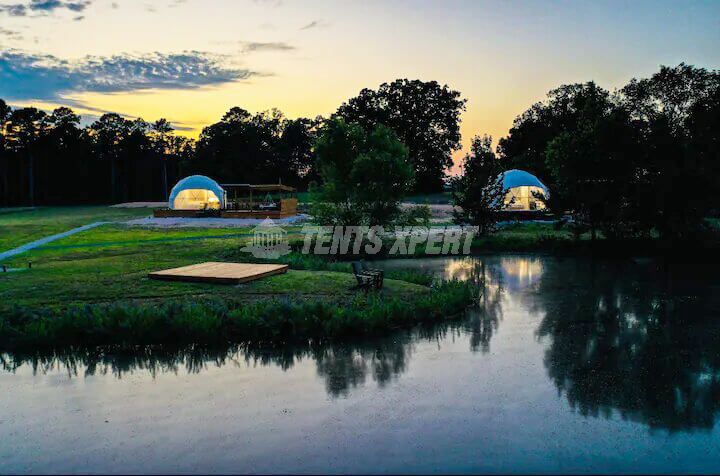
<point>520,188</point>
<point>197,192</point>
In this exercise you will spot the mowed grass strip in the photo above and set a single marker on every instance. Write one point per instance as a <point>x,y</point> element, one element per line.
<point>23,227</point>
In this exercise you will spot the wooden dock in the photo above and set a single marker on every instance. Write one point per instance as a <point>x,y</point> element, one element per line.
<point>216,272</point>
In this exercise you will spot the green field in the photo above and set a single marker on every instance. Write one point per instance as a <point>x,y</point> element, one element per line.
<point>92,288</point>
<point>112,261</point>
<point>20,227</point>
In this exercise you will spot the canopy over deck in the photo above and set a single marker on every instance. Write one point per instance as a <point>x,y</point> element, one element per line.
<point>259,188</point>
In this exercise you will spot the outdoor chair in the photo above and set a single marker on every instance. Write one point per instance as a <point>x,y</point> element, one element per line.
<point>366,281</point>
<point>373,271</point>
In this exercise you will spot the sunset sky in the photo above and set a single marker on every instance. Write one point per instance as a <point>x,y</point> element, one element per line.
<point>191,60</point>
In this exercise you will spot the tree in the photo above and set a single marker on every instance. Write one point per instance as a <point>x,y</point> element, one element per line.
<point>161,140</point>
<point>525,146</point>
<point>294,150</point>
<point>593,168</point>
<point>107,136</point>
<point>66,167</point>
<point>24,128</point>
<point>5,111</point>
<point>594,165</point>
<point>364,176</point>
<point>261,148</point>
<point>478,192</point>
<point>675,110</point>
<point>424,115</point>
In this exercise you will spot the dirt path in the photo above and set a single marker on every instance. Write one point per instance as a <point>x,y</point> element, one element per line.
<point>48,239</point>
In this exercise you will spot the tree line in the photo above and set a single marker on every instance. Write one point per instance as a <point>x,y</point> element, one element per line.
<point>48,158</point>
<point>642,160</point>
<point>638,160</point>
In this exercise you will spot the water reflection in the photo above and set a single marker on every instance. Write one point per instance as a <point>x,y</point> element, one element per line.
<point>618,339</point>
<point>343,366</point>
<point>629,340</point>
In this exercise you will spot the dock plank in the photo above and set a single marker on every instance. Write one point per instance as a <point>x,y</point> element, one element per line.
<point>219,272</point>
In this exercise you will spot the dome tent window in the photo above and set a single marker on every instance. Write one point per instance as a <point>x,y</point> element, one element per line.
<point>197,192</point>
<point>523,191</point>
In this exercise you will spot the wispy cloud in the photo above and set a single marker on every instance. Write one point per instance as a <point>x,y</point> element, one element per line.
<point>10,34</point>
<point>272,3</point>
<point>315,24</point>
<point>43,7</point>
<point>250,46</point>
<point>25,76</point>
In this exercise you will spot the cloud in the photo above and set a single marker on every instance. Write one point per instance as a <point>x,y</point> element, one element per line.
<point>25,76</point>
<point>272,3</point>
<point>315,24</point>
<point>10,34</point>
<point>250,46</point>
<point>43,6</point>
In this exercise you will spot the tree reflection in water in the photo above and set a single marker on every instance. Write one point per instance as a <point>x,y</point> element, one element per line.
<point>620,338</point>
<point>631,340</point>
<point>342,365</point>
<point>482,322</point>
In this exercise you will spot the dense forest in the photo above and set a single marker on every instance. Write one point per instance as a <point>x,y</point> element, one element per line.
<point>645,156</point>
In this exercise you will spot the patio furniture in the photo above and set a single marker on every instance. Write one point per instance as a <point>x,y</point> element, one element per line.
<point>373,271</point>
<point>366,281</point>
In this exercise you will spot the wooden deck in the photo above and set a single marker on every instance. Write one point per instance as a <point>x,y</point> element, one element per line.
<point>224,273</point>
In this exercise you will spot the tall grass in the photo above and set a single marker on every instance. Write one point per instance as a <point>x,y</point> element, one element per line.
<point>221,320</point>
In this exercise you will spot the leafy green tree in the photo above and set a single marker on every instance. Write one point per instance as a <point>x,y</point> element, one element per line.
<point>424,115</point>
<point>364,176</point>
<point>526,144</point>
<point>261,148</point>
<point>294,150</point>
<point>478,192</point>
<point>674,112</point>
<point>593,166</point>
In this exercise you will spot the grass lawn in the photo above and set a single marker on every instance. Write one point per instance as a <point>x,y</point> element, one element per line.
<point>92,288</point>
<point>111,263</point>
<point>20,227</point>
<point>525,236</point>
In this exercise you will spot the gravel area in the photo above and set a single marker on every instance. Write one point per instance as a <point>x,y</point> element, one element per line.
<point>209,222</point>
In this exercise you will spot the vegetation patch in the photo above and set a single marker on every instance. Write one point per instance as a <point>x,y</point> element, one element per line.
<point>217,320</point>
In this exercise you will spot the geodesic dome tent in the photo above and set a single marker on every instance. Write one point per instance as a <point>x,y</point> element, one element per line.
<point>521,188</point>
<point>196,192</point>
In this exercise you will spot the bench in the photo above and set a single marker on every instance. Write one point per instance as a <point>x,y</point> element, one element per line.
<point>367,277</point>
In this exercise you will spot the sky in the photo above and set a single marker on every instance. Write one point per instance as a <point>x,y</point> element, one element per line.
<point>191,60</point>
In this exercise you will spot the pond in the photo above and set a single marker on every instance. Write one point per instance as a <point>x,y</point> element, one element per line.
<point>573,365</point>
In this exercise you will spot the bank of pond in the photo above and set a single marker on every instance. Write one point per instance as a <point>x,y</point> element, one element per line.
<point>215,320</point>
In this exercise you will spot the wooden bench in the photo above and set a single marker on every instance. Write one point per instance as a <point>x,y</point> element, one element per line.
<point>367,277</point>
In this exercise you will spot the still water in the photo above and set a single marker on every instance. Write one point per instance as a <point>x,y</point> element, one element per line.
<point>574,365</point>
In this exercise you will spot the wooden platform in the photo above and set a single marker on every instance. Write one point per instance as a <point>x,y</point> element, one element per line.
<point>225,273</point>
